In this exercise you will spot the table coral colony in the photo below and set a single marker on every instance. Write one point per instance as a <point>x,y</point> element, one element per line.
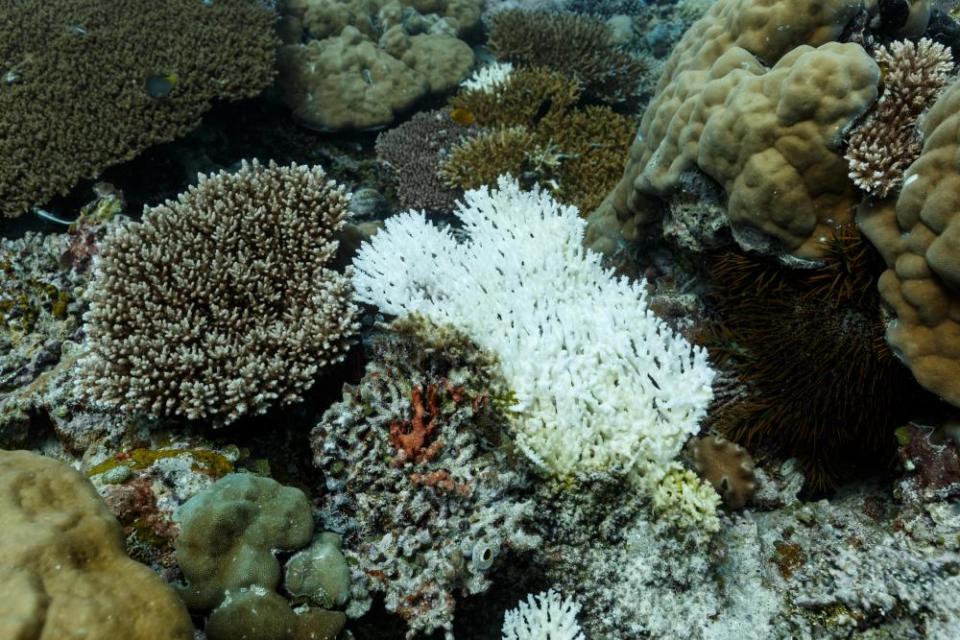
<point>401,319</point>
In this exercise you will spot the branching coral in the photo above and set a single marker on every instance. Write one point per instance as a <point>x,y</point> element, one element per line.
<point>538,134</point>
<point>414,151</point>
<point>547,615</point>
<point>819,382</point>
<point>419,478</point>
<point>887,141</point>
<point>576,46</point>
<point>221,303</point>
<point>757,96</point>
<point>74,97</point>
<point>601,383</point>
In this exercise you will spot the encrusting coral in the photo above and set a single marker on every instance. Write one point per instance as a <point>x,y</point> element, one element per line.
<point>578,47</point>
<point>757,96</point>
<point>815,379</point>
<point>221,303</point>
<point>75,93</point>
<point>726,466</point>
<point>63,570</point>
<point>601,383</point>
<point>918,234</point>
<point>887,141</point>
<point>419,477</point>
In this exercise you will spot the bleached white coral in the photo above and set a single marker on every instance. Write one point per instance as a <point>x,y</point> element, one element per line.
<point>489,78</point>
<point>546,616</point>
<point>601,383</point>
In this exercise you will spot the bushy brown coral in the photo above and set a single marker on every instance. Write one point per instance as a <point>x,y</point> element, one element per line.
<point>85,84</point>
<point>539,134</point>
<point>887,141</point>
<point>221,303</point>
<point>413,152</point>
<point>574,45</point>
<point>816,381</point>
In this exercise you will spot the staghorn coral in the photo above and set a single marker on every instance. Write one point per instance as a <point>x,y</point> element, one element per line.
<point>601,383</point>
<point>576,46</point>
<point>73,95</point>
<point>757,96</point>
<point>221,303</point>
<point>63,570</point>
<point>547,615</point>
<point>419,480</point>
<point>883,145</point>
<point>414,151</point>
<point>726,466</point>
<point>818,383</point>
<point>538,134</point>
<point>917,234</point>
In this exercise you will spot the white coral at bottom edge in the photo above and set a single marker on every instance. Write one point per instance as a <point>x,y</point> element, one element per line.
<point>546,616</point>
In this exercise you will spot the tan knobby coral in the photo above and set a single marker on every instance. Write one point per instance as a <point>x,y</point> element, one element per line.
<point>221,303</point>
<point>757,96</point>
<point>918,235</point>
<point>726,465</point>
<point>63,570</point>
<point>887,141</point>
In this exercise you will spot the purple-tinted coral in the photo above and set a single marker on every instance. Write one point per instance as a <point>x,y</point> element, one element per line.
<point>414,151</point>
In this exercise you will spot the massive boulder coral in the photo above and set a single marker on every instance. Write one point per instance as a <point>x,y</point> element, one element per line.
<point>79,82</point>
<point>363,63</point>
<point>918,234</point>
<point>230,534</point>
<point>63,571</point>
<point>221,303</point>
<point>757,96</point>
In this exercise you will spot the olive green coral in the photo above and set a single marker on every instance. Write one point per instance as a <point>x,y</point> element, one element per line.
<point>74,95</point>
<point>537,133</point>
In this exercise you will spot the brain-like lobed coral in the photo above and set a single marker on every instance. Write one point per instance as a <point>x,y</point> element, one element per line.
<point>74,76</point>
<point>418,481</point>
<point>63,570</point>
<point>757,96</point>
<point>364,62</point>
<point>918,234</point>
<point>221,303</point>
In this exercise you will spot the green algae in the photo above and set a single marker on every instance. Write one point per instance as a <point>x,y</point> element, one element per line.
<point>211,463</point>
